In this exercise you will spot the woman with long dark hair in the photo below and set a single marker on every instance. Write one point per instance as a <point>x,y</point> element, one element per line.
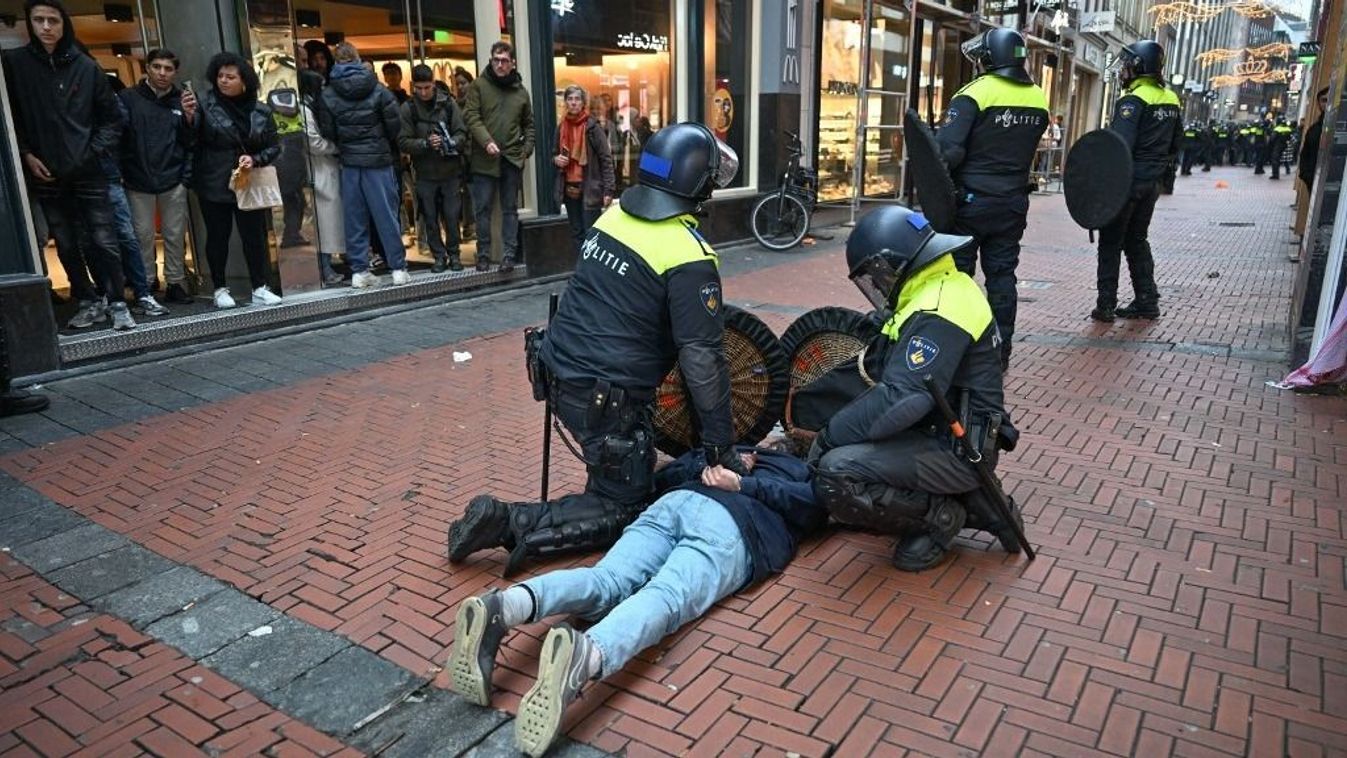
<point>234,131</point>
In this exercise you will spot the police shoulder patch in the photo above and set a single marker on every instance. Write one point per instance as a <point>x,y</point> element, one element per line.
<point>1128,110</point>
<point>710,294</point>
<point>921,352</point>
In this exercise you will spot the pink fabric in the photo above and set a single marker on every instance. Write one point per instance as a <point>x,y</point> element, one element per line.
<point>1329,365</point>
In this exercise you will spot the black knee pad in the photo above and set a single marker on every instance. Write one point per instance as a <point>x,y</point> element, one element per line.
<point>870,505</point>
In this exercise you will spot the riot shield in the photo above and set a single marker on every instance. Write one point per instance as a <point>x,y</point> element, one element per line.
<point>759,379</point>
<point>1098,178</point>
<point>935,188</point>
<point>827,352</point>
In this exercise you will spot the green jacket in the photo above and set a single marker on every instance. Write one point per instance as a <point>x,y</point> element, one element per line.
<point>500,114</point>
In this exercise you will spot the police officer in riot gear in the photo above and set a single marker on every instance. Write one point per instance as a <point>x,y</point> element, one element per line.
<point>1281,136</point>
<point>1147,116</point>
<point>988,139</point>
<point>886,461</point>
<point>646,292</point>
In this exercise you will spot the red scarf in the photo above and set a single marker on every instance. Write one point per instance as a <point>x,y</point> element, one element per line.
<point>573,142</point>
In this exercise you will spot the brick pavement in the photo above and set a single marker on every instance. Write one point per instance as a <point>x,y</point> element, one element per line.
<point>1188,599</point>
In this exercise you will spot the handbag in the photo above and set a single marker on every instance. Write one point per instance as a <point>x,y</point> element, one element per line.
<point>256,188</point>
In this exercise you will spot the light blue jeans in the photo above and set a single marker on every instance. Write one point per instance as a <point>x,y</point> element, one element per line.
<point>670,566</point>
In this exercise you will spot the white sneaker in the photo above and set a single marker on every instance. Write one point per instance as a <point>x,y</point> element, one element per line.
<point>364,279</point>
<point>223,299</point>
<point>264,296</point>
<point>402,276</point>
<point>121,317</point>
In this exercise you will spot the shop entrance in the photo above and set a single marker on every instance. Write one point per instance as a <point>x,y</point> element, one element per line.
<point>863,83</point>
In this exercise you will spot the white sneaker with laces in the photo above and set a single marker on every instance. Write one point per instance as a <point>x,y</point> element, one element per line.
<point>264,296</point>
<point>121,317</point>
<point>223,299</point>
<point>402,276</point>
<point>364,279</point>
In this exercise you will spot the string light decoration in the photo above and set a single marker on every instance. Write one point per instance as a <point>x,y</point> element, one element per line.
<point>1218,55</point>
<point>1176,11</point>
<point>1253,8</point>
<point>1273,50</point>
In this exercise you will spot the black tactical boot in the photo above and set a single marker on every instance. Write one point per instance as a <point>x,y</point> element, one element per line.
<point>1138,309</point>
<point>1106,315</point>
<point>485,524</point>
<point>455,262</point>
<point>439,265</point>
<point>926,548</point>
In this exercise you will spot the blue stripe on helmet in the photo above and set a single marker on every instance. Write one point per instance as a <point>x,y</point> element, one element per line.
<point>654,164</point>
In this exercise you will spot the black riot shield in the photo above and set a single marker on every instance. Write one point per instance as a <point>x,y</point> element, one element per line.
<point>1098,178</point>
<point>759,380</point>
<point>935,188</point>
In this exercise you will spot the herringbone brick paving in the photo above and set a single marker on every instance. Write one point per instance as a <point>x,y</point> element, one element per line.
<point>76,682</point>
<point>1188,599</point>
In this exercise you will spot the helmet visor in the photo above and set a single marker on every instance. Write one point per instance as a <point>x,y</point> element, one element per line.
<point>876,279</point>
<point>975,49</point>
<point>726,167</point>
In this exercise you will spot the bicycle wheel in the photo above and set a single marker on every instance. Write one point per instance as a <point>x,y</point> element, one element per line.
<point>780,221</point>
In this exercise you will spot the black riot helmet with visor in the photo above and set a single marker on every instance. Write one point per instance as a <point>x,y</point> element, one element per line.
<point>680,167</point>
<point>891,245</point>
<point>998,51</point>
<point>1141,58</point>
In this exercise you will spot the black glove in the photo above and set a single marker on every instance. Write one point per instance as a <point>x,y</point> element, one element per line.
<point>724,455</point>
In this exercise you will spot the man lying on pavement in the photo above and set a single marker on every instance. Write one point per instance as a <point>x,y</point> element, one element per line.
<point>710,535</point>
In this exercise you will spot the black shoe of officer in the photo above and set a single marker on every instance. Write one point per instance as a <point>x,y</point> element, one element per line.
<point>926,548</point>
<point>17,402</point>
<point>485,524</point>
<point>1106,315</point>
<point>1139,310</point>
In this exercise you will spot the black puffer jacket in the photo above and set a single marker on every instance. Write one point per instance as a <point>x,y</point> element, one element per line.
<point>65,112</point>
<point>361,116</point>
<point>157,146</point>
<point>226,131</point>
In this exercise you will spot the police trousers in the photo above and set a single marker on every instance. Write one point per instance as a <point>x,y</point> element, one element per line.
<point>1129,234</point>
<point>997,223</point>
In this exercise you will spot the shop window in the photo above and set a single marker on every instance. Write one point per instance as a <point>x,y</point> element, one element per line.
<point>621,55</point>
<point>843,78</point>
<point>726,84</point>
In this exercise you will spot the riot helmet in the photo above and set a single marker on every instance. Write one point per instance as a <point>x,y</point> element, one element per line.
<point>1141,58</point>
<point>680,166</point>
<point>889,246</point>
<point>998,51</point>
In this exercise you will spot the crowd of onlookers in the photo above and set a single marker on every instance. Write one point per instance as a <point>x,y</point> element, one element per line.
<point>110,166</point>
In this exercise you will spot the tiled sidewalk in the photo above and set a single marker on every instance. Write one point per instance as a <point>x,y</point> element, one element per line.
<point>1188,598</point>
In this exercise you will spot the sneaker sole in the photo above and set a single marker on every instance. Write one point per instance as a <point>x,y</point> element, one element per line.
<point>465,676</point>
<point>539,719</point>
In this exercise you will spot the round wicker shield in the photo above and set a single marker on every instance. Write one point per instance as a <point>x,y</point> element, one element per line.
<point>758,385</point>
<point>820,341</point>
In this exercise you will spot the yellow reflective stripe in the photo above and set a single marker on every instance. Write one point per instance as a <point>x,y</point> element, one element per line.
<point>990,91</point>
<point>1152,93</point>
<point>948,293</point>
<point>663,245</point>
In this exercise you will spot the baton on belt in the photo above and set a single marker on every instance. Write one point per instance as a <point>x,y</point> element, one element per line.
<point>989,484</point>
<point>547,410</point>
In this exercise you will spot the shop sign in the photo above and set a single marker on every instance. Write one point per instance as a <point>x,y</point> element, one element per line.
<point>562,7</point>
<point>1000,7</point>
<point>790,61</point>
<point>1097,22</point>
<point>1094,55</point>
<point>654,43</point>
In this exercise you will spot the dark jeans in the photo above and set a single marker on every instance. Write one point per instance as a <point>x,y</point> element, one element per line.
<point>220,219</point>
<point>1128,234</point>
<point>436,201</point>
<point>370,201</point>
<point>581,218</point>
<point>293,206</point>
<point>81,221</point>
<point>997,224</point>
<point>485,190</point>
<point>128,244</point>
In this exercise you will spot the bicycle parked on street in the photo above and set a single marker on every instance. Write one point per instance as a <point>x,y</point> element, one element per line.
<point>781,219</point>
